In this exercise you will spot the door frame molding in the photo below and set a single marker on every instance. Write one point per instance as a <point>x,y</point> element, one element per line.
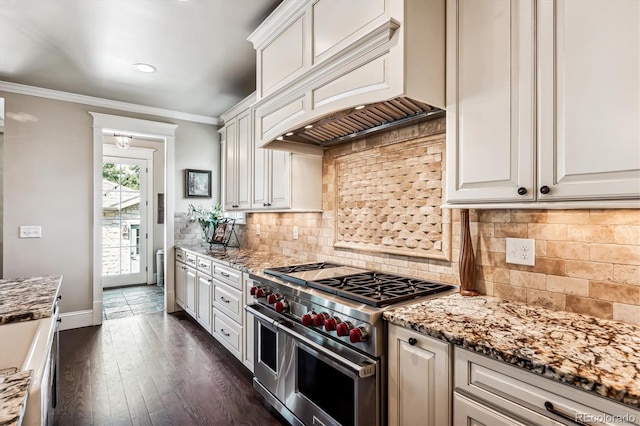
<point>145,154</point>
<point>105,123</point>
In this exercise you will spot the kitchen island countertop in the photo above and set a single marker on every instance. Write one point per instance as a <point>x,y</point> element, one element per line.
<point>596,355</point>
<point>14,389</point>
<point>26,299</point>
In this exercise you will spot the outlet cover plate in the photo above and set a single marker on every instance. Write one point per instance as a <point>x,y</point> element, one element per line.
<point>257,229</point>
<point>521,251</point>
<point>30,231</point>
<point>295,232</point>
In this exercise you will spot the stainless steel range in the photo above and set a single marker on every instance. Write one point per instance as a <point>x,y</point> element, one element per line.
<point>320,339</point>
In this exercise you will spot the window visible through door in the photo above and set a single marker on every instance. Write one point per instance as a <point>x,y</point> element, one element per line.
<point>124,221</point>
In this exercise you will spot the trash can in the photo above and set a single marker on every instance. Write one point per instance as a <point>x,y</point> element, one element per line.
<point>160,267</point>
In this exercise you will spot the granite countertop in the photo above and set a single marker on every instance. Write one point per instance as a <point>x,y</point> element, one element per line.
<point>25,299</point>
<point>14,389</point>
<point>246,260</point>
<point>596,355</point>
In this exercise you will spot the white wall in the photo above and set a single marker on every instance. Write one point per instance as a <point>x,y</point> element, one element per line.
<point>48,181</point>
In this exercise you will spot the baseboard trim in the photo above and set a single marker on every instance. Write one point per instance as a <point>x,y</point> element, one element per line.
<point>77,319</point>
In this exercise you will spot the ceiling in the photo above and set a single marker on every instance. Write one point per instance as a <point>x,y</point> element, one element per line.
<point>204,62</point>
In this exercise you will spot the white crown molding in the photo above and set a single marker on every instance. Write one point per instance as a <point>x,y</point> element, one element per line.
<point>105,103</point>
<point>279,19</point>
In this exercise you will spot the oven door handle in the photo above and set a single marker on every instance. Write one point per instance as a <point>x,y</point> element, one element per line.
<point>362,371</point>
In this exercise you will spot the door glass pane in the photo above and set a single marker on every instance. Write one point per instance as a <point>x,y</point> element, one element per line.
<point>315,377</point>
<point>268,348</point>
<point>121,216</point>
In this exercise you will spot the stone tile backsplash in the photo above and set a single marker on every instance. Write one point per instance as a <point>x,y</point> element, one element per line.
<point>587,261</point>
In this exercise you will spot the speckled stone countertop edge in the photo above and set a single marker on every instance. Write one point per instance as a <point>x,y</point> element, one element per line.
<point>28,298</point>
<point>576,372</point>
<point>14,390</point>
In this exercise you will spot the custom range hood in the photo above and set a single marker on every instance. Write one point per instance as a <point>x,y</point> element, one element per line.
<point>332,71</point>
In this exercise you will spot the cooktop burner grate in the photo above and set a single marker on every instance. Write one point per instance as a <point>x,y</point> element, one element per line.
<point>377,289</point>
<point>299,268</point>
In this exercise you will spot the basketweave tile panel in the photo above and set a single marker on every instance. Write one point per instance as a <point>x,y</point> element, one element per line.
<point>388,200</point>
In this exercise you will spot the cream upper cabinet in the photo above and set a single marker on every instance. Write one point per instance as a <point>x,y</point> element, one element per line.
<point>238,156</point>
<point>286,182</point>
<point>588,99</point>
<point>419,378</point>
<point>543,109</point>
<point>490,100</point>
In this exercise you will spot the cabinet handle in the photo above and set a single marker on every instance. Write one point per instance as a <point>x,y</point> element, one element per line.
<point>522,190</point>
<point>268,204</point>
<point>224,274</point>
<point>413,341</point>
<point>59,297</point>
<point>264,204</point>
<point>574,419</point>
<point>545,189</point>
<point>209,280</point>
<point>224,332</point>
<point>224,300</point>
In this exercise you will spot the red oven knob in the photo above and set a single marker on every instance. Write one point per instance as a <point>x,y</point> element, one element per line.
<point>282,306</point>
<point>259,293</point>
<point>319,320</point>
<point>307,319</point>
<point>358,334</point>
<point>331,323</point>
<point>253,291</point>
<point>343,328</point>
<point>271,299</point>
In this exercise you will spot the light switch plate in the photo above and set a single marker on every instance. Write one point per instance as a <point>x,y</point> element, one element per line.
<point>521,251</point>
<point>257,229</point>
<point>295,232</point>
<point>30,231</point>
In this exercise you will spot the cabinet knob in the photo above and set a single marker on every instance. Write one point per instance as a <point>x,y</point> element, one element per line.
<point>412,341</point>
<point>545,189</point>
<point>264,204</point>
<point>522,190</point>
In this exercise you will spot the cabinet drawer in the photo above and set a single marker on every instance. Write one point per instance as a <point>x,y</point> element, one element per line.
<point>228,275</point>
<point>180,255</point>
<point>469,412</point>
<point>190,259</point>
<point>228,333</point>
<point>228,300</point>
<point>204,265</point>
<point>520,392</point>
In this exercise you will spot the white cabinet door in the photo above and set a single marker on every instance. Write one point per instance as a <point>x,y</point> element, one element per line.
<point>419,379</point>
<point>181,277</point>
<point>490,100</point>
<point>589,99</point>
<point>261,157</point>
<point>203,313</point>
<point>230,162</point>
<point>190,288</point>
<point>245,160</point>
<point>280,185</point>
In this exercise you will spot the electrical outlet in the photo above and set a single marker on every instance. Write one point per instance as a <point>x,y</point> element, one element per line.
<point>257,229</point>
<point>30,232</point>
<point>521,251</point>
<point>295,232</point>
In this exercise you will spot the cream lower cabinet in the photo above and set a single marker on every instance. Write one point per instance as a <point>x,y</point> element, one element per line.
<point>203,311</point>
<point>248,357</point>
<point>535,110</point>
<point>190,291</point>
<point>468,412</point>
<point>419,377</point>
<point>181,278</point>
<point>228,308</point>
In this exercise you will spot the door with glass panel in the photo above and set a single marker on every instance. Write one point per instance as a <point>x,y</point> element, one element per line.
<point>124,221</point>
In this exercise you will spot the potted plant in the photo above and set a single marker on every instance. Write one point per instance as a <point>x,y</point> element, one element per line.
<point>206,217</point>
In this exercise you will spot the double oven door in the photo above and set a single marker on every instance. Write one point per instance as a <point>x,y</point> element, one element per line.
<point>314,378</point>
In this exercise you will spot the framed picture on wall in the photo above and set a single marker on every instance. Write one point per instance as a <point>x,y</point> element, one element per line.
<point>197,183</point>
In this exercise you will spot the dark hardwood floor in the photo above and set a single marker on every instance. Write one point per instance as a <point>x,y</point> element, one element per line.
<point>154,369</point>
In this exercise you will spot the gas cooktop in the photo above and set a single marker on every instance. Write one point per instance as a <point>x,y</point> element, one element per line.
<point>360,285</point>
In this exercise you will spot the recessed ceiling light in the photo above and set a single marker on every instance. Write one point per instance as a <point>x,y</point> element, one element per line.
<point>144,68</point>
<point>288,134</point>
<point>279,138</point>
<point>308,126</point>
<point>360,107</point>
